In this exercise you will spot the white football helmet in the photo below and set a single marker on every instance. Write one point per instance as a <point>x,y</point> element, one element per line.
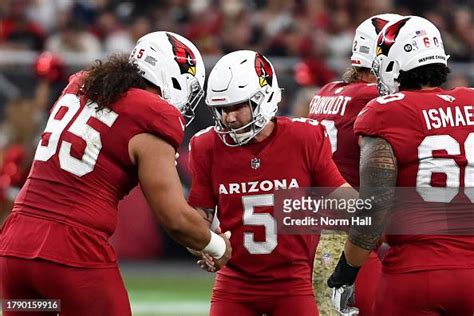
<point>243,76</point>
<point>405,44</point>
<point>174,64</point>
<point>363,52</point>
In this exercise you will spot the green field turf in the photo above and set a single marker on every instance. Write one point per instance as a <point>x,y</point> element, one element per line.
<point>165,295</point>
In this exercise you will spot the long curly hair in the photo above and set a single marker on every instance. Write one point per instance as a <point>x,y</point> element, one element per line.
<point>106,82</point>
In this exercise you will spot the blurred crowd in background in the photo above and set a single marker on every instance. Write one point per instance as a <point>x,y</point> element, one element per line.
<point>309,42</point>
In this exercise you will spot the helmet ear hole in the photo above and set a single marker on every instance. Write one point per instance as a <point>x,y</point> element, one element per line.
<point>389,66</point>
<point>271,97</point>
<point>176,84</point>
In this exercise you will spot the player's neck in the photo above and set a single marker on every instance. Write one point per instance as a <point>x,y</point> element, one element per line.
<point>428,88</point>
<point>154,90</point>
<point>367,77</point>
<point>265,132</point>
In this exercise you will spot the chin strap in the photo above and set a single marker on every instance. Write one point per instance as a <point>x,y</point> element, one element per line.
<point>239,138</point>
<point>243,138</point>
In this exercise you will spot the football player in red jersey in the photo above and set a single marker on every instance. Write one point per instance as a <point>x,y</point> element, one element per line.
<point>114,125</point>
<point>336,106</point>
<point>421,136</point>
<point>236,167</point>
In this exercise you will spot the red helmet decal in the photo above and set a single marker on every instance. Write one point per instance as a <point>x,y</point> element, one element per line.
<point>184,56</point>
<point>387,38</point>
<point>378,23</point>
<point>264,70</point>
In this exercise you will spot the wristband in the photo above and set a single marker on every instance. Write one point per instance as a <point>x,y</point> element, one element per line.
<point>344,273</point>
<point>216,246</point>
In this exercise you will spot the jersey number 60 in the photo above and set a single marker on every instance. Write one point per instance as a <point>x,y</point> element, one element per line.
<point>429,165</point>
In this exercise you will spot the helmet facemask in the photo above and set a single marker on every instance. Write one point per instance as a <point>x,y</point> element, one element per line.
<point>386,80</point>
<point>234,137</point>
<point>194,97</point>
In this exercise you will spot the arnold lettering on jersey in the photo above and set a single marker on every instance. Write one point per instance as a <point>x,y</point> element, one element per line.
<point>452,116</point>
<point>329,104</point>
<point>257,186</point>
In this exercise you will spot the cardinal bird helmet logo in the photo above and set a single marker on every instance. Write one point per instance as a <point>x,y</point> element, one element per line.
<point>387,38</point>
<point>264,70</point>
<point>184,56</point>
<point>378,23</point>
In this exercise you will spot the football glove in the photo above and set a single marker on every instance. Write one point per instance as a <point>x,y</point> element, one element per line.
<point>342,298</point>
<point>344,274</point>
<point>342,281</point>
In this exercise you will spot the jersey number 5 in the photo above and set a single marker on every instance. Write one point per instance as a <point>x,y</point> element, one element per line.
<point>64,111</point>
<point>259,219</point>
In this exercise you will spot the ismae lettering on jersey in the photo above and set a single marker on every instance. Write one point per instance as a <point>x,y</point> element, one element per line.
<point>452,116</point>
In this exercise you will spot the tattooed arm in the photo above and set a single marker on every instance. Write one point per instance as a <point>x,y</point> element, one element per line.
<point>378,178</point>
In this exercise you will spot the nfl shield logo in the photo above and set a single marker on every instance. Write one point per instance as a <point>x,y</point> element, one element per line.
<point>327,258</point>
<point>255,163</point>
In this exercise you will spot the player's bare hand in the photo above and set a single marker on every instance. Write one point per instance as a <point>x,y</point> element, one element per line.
<point>207,263</point>
<point>211,264</point>
<point>196,253</point>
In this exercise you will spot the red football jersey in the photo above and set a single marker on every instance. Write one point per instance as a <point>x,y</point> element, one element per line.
<point>67,209</point>
<point>432,136</point>
<point>240,181</point>
<point>336,106</point>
